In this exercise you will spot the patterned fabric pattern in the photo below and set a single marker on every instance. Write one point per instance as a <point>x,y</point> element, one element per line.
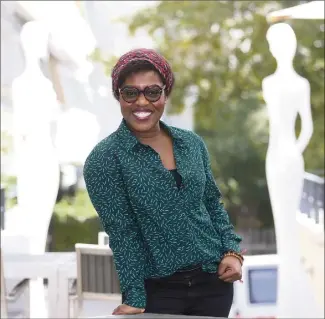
<point>158,61</point>
<point>155,228</point>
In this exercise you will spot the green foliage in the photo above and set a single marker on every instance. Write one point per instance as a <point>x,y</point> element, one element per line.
<point>67,232</point>
<point>6,143</point>
<point>220,47</point>
<point>108,61</point>
<point>81,207</point>
<point>8,180</point>
<point>75,222</point>
<point>72,221</point>
<point>9,183</point>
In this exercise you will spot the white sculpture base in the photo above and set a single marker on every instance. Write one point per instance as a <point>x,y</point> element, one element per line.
<point>311,238</point>
<point>16,241</point>
<point>38,306</point>
<point>297,301</point>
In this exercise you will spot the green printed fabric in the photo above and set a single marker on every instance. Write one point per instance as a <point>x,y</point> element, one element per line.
<point>155,228</point>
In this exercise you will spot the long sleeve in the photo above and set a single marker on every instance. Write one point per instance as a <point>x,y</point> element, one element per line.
<point>219,216</point>
<point>107,193</point>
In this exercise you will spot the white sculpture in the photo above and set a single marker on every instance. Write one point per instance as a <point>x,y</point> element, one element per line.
<point>287,94</point>
<point>67,140</point>
<point>34,106</point>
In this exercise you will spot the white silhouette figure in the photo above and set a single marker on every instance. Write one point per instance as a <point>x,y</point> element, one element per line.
<point>34,104</point>
<point>287,95</point>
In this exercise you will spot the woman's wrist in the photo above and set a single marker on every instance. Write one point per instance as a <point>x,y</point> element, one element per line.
<point>234,254</point>
<point>135,297</point>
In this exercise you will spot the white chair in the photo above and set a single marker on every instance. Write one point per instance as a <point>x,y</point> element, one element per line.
<point>97,278</point>
<point>12,296</point>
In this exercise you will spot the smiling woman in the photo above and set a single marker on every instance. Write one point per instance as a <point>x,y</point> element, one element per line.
<point>142,87</point>
<point>151,184</point>
<point>142,102</point>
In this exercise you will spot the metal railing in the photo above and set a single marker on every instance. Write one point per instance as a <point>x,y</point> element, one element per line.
<point>312,199</point>
<point>258,241</point>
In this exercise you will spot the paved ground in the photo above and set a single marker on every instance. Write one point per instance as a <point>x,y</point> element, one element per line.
<point>92,308</point>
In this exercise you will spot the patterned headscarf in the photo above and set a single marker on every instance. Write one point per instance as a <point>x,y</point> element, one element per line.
<point>158,61</point>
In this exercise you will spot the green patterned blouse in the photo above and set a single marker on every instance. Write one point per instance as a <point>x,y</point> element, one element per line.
<point>154,227</point>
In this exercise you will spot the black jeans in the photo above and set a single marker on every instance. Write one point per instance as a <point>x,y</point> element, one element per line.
<point>192,293</point>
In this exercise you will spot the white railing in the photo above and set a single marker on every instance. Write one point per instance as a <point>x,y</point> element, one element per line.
<point>312,199</point>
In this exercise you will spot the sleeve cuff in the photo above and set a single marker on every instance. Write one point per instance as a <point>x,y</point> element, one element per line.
<point>136,297</point>
<point>232,245</point>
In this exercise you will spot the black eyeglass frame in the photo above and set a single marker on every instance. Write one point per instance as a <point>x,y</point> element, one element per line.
<point>143,92</point>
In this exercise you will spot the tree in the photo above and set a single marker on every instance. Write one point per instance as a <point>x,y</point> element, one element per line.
<point>220,48</point>
<point>6,143</point>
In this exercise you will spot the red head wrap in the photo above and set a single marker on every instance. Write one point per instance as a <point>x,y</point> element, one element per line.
<point>158,61</point>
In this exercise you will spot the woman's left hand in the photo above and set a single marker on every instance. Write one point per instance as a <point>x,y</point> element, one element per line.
<point>230,269</point>
<point>127,310</point>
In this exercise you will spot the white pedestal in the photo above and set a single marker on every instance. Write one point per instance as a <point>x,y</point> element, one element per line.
<point>16,243</point>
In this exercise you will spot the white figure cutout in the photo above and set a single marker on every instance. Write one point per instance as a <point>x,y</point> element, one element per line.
<point>287,95</point>
<point>34,104</point>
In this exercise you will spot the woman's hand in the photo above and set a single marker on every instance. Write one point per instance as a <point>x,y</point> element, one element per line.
<point>127,310</point>
<point>230,269</point>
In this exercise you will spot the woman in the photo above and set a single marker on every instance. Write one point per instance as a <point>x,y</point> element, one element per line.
<point>174,248</point>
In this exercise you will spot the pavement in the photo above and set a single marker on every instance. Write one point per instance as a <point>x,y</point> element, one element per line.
<point>91,308</point>
<point>95,309</point>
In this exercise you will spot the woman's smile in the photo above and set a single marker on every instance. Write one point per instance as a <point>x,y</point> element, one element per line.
<point>142,115</point>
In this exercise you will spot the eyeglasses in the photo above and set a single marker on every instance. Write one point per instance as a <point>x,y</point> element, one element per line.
<point>152,93</point>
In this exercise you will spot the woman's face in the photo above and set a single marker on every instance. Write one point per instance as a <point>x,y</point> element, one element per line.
<point>143,115</point>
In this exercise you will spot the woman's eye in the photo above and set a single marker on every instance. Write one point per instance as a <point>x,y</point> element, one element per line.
<point>153,92</point>
<point>130,92</point>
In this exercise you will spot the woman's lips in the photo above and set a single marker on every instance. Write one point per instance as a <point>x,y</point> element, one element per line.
<point>142,115</point>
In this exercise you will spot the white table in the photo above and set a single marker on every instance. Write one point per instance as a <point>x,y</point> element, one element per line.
<point>14,242</point>
<point>66,271</point>
<point>156,316</point>
<point>20,266</point>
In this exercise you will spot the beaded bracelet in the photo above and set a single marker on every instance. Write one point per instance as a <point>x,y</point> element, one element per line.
<point>234,254</point>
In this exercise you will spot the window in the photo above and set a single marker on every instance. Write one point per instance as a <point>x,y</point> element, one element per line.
<point>262,285</point>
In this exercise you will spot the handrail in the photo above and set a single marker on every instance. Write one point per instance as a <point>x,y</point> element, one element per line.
<point>312,199</point>
<point>314,178</point>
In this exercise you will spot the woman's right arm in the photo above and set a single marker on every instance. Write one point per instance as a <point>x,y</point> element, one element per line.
<point>107,194</point>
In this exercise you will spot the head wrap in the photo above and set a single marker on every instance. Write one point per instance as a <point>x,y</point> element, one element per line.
<point>158,61</point>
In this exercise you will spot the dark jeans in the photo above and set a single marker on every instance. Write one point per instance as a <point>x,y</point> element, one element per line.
<point>193,293</point>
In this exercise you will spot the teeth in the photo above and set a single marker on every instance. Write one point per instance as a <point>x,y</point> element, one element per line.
<point>142,115</point>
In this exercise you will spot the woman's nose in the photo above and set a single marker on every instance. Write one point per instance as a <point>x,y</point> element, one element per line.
<point>142,100</point>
